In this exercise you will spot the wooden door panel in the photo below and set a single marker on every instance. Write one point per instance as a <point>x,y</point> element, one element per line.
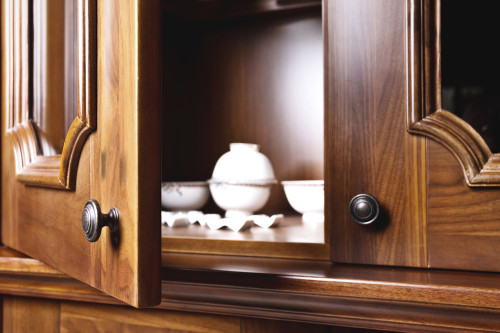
<point>119,164</point>
<point>45,223</point>
<point>464,224</point>
<point>383,86</point>
<point>126,147</point>
<point>368,147</point>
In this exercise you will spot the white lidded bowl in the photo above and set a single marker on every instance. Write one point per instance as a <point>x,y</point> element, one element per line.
<point>242,180</point>
<point>306,196</point>
<point>184,196</point>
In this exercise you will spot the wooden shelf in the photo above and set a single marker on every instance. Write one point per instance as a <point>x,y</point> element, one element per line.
<point>291,230</point>
<point>292,239</point>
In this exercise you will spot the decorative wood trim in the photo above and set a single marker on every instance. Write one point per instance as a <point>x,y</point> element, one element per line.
<point>347,295</point>
<point>57,171</point>
<point>425,114</point>
<point>313,251</point>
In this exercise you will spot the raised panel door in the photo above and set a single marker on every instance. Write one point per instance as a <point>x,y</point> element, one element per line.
<point>111,152</point>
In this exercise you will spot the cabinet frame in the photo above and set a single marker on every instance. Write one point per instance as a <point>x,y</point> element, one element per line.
<point>425,114</point>
<point>58,171</point>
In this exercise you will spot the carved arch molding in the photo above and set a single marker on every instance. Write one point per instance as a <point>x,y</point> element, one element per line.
<point>32,168</point>
<point>425,114</point>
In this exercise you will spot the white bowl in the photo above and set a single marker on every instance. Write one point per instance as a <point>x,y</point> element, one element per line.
<point>184,196</point>
<point>306,196</point>
<point>239,200</point>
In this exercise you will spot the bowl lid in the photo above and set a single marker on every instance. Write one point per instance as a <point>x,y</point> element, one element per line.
<point>243,164</point>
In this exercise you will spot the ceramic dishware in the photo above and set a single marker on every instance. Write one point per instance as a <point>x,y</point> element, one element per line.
<point>306,197</point>
<point>184,196</point>
<point>242,179</point>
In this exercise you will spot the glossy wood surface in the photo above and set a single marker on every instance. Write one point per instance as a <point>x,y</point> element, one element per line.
<point>367,147</point>
<point>125,173</point>
<point>425,114</point>
<point>46,223</point>
<point>292,229</point>
<point>40,222</point>
<point>103,318</point>
<point>291,239</point>
<point>464,224</point>
<point>30,315</point>
<point>390,299</point>
<point>54,33</point>
<point>28,94</point>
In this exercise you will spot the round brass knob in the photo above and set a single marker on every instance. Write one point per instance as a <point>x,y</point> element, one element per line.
<point>364,209</point>
<point>93,220</point>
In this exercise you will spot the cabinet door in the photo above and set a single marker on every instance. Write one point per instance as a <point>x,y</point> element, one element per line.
<point>435,178</point>
<point>110,153</point>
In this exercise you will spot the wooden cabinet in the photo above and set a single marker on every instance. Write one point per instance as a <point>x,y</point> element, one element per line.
<point>170,84</point>
<point>438,192</point>
<point>118,164</point>
<point>31,314</point>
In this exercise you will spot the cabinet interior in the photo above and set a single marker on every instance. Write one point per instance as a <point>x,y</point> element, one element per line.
<point>249,72</point>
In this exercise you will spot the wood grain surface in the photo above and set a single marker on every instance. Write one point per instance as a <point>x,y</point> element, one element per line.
<point>48,76</point>
<point>394,299</point>
<point>367,147</point>
<point>464,226</point>
<point>46,223</point>
<point>125,150</point>
<point>42,222</point>
<point>292,238</point>
<point>425,114</point>
<point>104,318</point>
<point>34,80</point>
<point>30,315</point>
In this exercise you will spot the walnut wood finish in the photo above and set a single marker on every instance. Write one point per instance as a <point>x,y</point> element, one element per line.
<point>291,239</point>
<point>46,223</point>
<point>105,318</point>
<point>30,315</point>
<point>119,166</point>
<point>368,149</point>
<point>371,297</point>
<point>463,230</point>
<point>125,151</point>
<point>425,114</point>
<point>464,227</point>
<point>31,168</point>
<point>53,36</point>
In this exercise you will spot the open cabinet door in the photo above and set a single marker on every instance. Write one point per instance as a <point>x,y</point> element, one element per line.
<point>110,151</point>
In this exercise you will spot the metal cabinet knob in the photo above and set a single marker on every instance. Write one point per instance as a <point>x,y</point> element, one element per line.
<point>364,209</point>
<point>93,220</point>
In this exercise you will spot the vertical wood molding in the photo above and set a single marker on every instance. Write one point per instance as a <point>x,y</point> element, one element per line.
<point>425,114</point>
<point>126,173</point>
<point>368,147</point>
<point>31,167</point>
